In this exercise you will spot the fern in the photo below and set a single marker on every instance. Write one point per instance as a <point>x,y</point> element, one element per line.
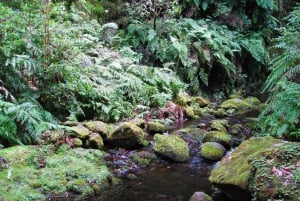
<point>24,122</point>
<point>281,117</point>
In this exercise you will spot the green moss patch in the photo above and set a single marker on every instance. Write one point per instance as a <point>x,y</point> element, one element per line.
<point>30,172</point>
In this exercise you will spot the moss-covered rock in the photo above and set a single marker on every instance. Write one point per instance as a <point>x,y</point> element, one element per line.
<point>237,104</point>
<point>220,113</point>
<point>98,127</point>
<point>236,129</point>
<point>219,125</point>
<point>30,172</point>
<point>77,142</point>
<point>143,158</point>
<point>201,101</point>
<point>127,135</point>
<point>200,196</point>
<point>212,151</point>
<point>155,127</point>
<point>233,173</point>
<point>80,132</point>
<point>275,173</point>
<point>191,132</point>
<point>139,122</point>
<point>96,141</point>
<point>218,136</point>
<point>172,147</point>
<point>189,112</point>
<point>253,101</point>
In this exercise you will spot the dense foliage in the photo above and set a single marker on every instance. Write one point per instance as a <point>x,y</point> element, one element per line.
<point>281,117</point>
<point>58,63</point>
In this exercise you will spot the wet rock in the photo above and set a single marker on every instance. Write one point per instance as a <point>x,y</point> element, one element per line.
<point>127,135</point>
<point>143,158</point>
<point>77,142</point>
<point>98,127</point>
<point>191,132</point>
<point>172,147</point>
<point>200,196</point>
<point>212,151</point>
<point>131,176</point>
<point>96,141</point>
<point>234,171</point>
<point>36,170</point>
<point>237,104</point>
<point>218,136</point>
<point>155,127</point>
<point>80,132</point>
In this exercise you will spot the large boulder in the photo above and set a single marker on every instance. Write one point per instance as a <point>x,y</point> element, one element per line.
<point>98,127</point>
<point>233,173</point>
<point>218,136</point>
<point>172,147</point>
<point>212,151</point>
<point>35,172</point>
<point>200,196</point>
<point>127,135</point>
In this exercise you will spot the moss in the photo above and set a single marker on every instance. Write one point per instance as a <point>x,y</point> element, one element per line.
<point>212,151</point>
<point>127,135</point>
<point>194,133</point>
<point>98,127</point>
<point>218,136</point>
<point>143,158</point>
<point>172,147</point>
<point>34,171</point>
<point>218,125</point>
<point>253,101</point>
<point>201,101</point>
<point>236,103</point>
<point>189,112</point>
<point>236,129</point>
<point>220,113</point>
<point>77,142</point>
<point>96,141</point>
<point>80,132</point>
<point>279,176</point>
<point>235,169</point>
<point>139,122</point>
<point>155,127</point>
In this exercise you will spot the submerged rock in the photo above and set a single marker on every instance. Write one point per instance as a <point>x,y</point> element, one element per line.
<point>172,147</point>
<point>127,135</point>
<point>218,136</point>
<point>31,172</point>
<point>234,171</point>
<point>200,196</point>
<point>212,151</point>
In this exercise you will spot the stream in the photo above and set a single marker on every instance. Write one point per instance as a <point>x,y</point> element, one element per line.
<point>164,180</point>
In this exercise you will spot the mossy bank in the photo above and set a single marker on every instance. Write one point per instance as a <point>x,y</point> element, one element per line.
<point>39,172</point>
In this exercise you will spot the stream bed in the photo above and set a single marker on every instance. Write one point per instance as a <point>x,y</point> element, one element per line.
<point>164,180</point>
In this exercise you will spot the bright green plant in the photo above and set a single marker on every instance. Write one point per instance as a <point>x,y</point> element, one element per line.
<point>281,117</point>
